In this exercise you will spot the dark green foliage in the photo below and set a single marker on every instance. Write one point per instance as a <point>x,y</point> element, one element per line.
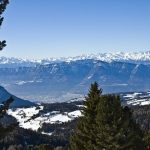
<point>141,115</point>
<point>106,125</point>
<point>147,140</point>
<point>62,107</point>
<point>5,129</point>
<point>30,147</point>
<point>20,136</point>
<point>3,4</point>
<point>115,126</point>
<point>4,107</point>
<point>60,132</point>
<point>45,147</point>
<point>84,137</point>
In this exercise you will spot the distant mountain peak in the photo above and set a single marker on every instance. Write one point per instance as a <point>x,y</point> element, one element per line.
<point>60,81</point>
<point>133,57</point>
<point>115,56</point>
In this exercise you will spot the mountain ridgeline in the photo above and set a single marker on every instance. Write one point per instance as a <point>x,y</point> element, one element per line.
<point>5,95</point>
<point>69,79</point>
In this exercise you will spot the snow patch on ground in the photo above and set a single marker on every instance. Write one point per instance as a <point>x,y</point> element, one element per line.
<point>23,116</point>
<point>75,114</point>
<point>47,133</point>
<point>30,118</point>
<point>60,118</point>
<point>137,98</point>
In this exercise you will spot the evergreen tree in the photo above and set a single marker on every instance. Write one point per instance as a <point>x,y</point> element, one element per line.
<point>106,125</point>
<point>84,138</point>
<point>4,130</point>
<point>115,127</point>
<point>45,147</point>
<point>147,139</point>
<point>3,4</point>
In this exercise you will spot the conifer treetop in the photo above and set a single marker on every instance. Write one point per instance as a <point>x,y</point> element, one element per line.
<point>3,4</point>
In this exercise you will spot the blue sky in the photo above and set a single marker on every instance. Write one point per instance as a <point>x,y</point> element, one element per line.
<point>54,28</point>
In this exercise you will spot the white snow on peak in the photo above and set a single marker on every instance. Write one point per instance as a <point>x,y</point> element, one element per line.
<point>108,57</point>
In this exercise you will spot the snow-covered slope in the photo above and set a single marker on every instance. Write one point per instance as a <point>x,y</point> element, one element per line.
<point>136,98</point>
<point>24,115</point>
<point>30,118</point>
<point>59,113</point>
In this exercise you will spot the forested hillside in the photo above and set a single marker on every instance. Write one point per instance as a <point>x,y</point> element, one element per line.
<point>60,132</point>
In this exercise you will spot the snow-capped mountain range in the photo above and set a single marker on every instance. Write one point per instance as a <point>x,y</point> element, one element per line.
<point>62,79</point>
<point>133,57</point>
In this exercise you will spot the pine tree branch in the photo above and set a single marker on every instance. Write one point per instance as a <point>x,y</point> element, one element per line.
<point>3,4</point>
